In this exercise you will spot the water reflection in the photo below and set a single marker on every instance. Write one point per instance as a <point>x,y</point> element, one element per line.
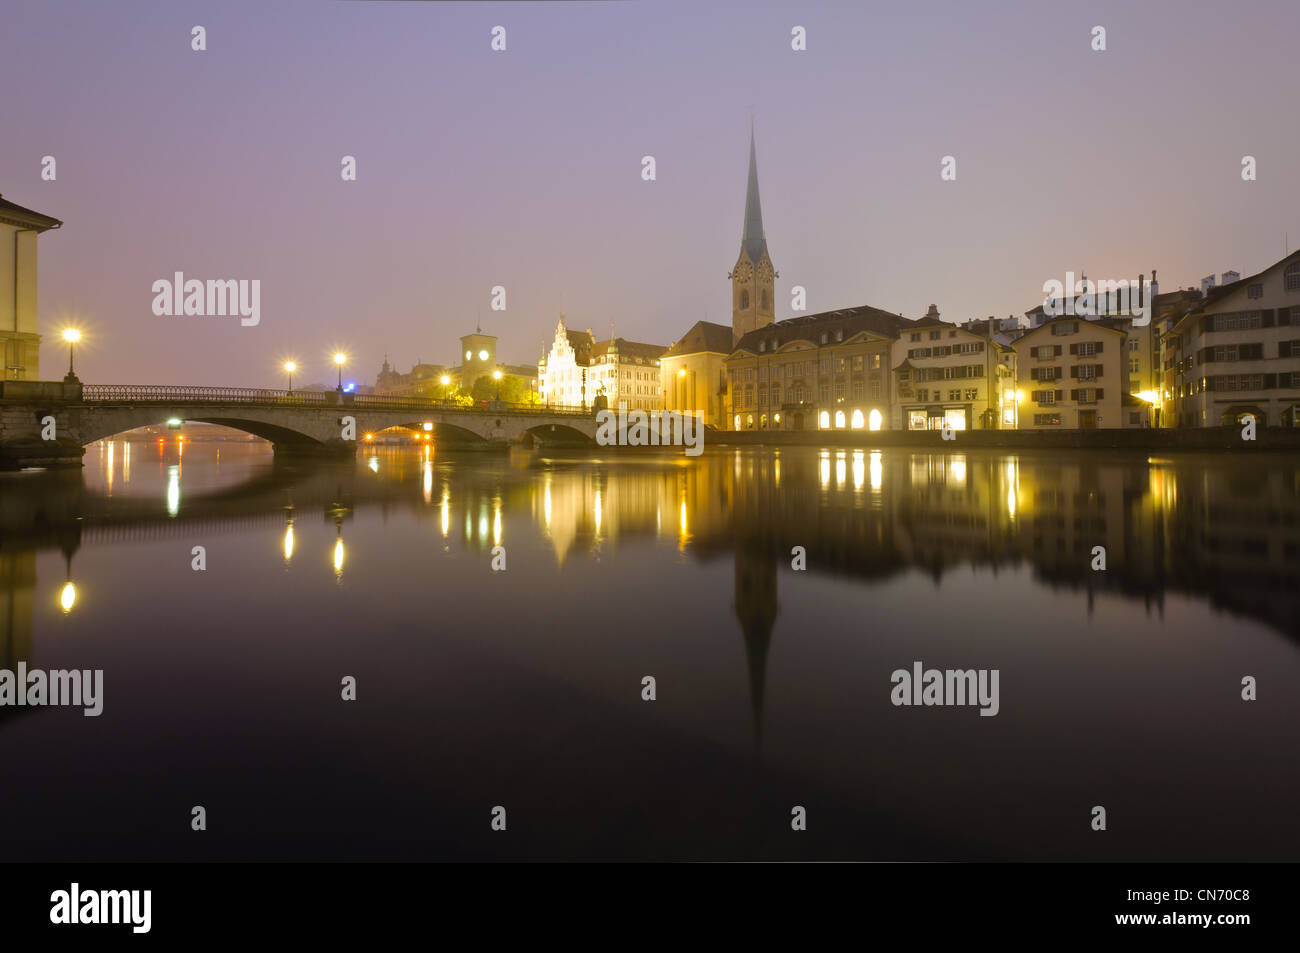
<point>667,558</point>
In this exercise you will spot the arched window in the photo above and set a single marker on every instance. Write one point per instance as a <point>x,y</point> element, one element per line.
<point>856,420</point>
<point>824,420</point>
<point>1293,277</point>
<point>875,420</point>
<point>744,300</point>
<point>839,420</point>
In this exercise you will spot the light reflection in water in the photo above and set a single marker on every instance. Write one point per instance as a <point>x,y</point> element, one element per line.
<point>173,490</point>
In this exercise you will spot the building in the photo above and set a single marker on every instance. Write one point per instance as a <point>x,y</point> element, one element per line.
<point>1073,373</point>
<point>580,371</point>
<point>962,377</point>
<point>1237,352</point>
<point>693,374</point>
<point>827,371</point>
<point>20,339</point>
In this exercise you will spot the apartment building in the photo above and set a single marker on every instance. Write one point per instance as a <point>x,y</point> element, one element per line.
<point>1073,373</point>
<point>957,376</point>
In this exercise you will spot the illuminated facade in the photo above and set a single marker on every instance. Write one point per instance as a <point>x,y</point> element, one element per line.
<point>1073,373</point>
<point>959,377</point>
<point>20,340</point>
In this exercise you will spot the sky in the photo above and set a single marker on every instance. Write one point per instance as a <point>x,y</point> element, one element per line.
<point>523,168</point>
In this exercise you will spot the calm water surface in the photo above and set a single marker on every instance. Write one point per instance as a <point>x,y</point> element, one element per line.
<point>522,688</point>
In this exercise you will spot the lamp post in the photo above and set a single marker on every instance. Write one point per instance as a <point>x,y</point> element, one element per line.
<point>340,359</point>
<point>445,380</point>
<point>290,367</point>
<point>72,336</point>
<point>496,376</point>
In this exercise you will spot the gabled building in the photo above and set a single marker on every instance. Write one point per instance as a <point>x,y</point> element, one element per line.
<point>1237,352</point>
<point>578,370</point>
<point>1072,373</point>
<point>693,374</point>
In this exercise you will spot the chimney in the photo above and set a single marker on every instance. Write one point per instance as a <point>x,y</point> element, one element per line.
<point>1155,285</point>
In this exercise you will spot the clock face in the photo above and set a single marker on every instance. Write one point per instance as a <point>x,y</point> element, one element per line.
<point>468,355</point>
<point>482,355</point>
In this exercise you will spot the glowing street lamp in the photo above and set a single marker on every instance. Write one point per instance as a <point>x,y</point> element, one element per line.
<point>496,376</point>
<point>340,359</point>
<point>445,380</point>
<point>72,336</point>
<point>289,368</point>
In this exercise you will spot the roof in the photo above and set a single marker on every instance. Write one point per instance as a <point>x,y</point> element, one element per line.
<point>1118,325</point>
<point>1214,294</point>
<point>12,214</point>
<point>850,320</point>
<point>752,240</point>
<point>703,336</point>
<point>647,352</point>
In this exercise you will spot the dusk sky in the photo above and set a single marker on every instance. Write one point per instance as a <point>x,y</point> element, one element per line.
<point>523,168</point>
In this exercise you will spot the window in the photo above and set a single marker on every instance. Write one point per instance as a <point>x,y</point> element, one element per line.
<point>744,300</point>
<point>762,373</point>
<point>857,389</point>
<point>1046,352</point>
<point>824,392</point>
<point>935,335</point>
<point>825,337</point>
<point>762,396</point>
<point>839,390</point>
<point>1133,344</point>
<point>1087,348</point>
<point>915,337</point>
<point>875,362</point>
<point>1293,277</point>
<point>1065,327</point>
<point>875,388</point>
<point>839,334</point>
<point>857,362</point>
<point>1047,420</point>
<point>826,365</point>
<point>971,394</point>
<point>840,365</point>
<point>1087,372</point>
<point>1045,396</point>
<point>1135,365</point>
<point>1241,321</point>
<point>1255,290</point>
<point>1044,373</point>
<point>776,393</point>
<point>952,334</point>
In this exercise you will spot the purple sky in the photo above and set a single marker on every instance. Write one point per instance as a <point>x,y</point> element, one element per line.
<point>522,168</point>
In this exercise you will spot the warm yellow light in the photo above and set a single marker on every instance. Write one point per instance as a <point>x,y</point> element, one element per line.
<point>682,372</point>
<point>496,375</point>
<point>1009,395</point>
<point>288,542</point>
<point>370,436</point>
<point>428,425</point>
<point>1020,396</point>
<point>72,335</point>
<point>1149,396</point>
<point>482,355</point>
<point>290,366</point>
<point>340,358</point>
<point>445,380</point>
<point>68,597</point>
<point>338,555</point>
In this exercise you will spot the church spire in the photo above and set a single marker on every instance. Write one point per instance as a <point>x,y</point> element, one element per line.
<point>753,240</point>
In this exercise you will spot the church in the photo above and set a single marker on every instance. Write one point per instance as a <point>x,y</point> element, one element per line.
<point>827,371</point>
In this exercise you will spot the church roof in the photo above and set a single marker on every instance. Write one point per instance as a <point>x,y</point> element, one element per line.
<point>703,336</point>
<point>753,241</point>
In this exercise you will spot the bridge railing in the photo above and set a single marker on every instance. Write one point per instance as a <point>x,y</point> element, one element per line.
<point>175,394</point>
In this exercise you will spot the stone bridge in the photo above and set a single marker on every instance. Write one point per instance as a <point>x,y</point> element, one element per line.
<point>48,423</point>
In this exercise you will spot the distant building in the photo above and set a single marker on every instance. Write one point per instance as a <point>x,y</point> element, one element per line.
<point>693,373</point>
<point>1237,352</point>
<point>20,339</point>
<point>578,369</point>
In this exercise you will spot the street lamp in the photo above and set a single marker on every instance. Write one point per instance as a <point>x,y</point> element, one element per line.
<point>290,367</point>
<point>72,336</point>
<point>340,359</point>
<point>445,380</point>
<point>496,376</point>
